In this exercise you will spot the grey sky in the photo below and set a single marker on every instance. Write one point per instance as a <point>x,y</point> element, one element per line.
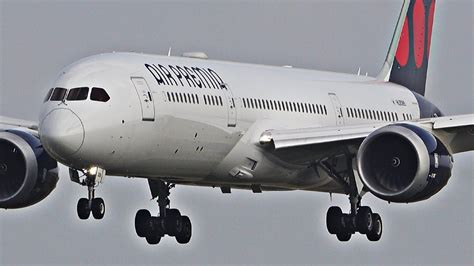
<point>38,38</point>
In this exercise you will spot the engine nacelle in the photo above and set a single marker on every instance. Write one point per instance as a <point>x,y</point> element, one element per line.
<point>404,163</point>
<point>27,173</point>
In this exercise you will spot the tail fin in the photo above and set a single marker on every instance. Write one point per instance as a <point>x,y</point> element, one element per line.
<point>408,66</point>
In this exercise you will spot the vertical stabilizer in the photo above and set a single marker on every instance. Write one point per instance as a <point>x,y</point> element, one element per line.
<point>408,66</point>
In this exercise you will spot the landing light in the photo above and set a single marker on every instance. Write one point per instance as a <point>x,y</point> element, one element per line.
<point>92,170</point>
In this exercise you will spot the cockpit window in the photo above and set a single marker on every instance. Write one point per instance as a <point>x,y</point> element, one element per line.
<point>48,95</point>
<point>78,94</point>
<point>58,94</point>
<point>99,94</point>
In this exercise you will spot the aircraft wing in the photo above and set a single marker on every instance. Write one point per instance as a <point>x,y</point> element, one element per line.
<point>6,122</point>
<point>457,132</point>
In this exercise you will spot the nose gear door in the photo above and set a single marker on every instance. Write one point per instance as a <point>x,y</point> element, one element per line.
<point>144,95</point>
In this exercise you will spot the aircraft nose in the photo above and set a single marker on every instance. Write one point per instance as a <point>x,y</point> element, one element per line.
<point>62,133</point>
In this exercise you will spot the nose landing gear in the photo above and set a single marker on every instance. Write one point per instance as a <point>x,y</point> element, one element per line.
<point>168,222</point>
<point>90,204</point>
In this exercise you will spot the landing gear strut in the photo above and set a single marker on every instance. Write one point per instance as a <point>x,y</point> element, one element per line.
<point>168,222</point>
<point>90,204</point>
<point>361,218</point>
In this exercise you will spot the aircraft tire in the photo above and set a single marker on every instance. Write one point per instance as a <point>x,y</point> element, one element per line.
<point>364,220</point>
<point>142,219</point>
<point>333,220</point>
<point>344,236</point>
<point>185,235</point>
<point>153,239</point>
<point>98,208</point>
<point>83,210</point>
<point>376,233</point>
<point>173,225</point>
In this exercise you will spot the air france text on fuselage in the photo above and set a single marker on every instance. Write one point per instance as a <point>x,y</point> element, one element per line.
<point>182,75</point>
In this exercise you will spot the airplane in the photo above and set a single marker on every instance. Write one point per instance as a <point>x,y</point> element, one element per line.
<point>193,121</point>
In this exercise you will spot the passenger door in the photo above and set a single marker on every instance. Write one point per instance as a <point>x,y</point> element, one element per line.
<point>337,109</point>
<point>231,106</point>
<point>146,100</point>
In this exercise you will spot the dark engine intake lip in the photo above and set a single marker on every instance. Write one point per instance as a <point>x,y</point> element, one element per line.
<point>423,164</point>
<point>29,179</point>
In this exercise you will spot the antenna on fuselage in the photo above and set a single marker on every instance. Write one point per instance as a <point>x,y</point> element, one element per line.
<point>169,51</point>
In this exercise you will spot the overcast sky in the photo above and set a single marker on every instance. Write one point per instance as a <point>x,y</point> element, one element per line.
<point>38,38</point>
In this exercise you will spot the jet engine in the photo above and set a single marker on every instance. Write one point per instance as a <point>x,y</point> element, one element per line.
<point>27,173</point>
<point>404,163</point>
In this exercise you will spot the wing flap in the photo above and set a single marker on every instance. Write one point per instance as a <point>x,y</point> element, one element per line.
<point>455,131</point>
<point>287,138</point>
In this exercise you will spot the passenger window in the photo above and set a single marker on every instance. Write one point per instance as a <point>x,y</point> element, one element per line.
<point>58,94</point>
<point>99,94</point>
<point>78,94</point>
<point>48,95</point>
<point>220,100</point>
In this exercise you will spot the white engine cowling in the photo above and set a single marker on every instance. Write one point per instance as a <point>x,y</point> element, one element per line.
<point>403,163</point>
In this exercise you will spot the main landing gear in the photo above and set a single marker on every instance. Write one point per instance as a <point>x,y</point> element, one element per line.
<point>168,222</point>
<point>90,204</point>
<point>361,218</point>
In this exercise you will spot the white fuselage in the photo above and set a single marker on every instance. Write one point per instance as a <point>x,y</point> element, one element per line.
<point>196,130</point>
